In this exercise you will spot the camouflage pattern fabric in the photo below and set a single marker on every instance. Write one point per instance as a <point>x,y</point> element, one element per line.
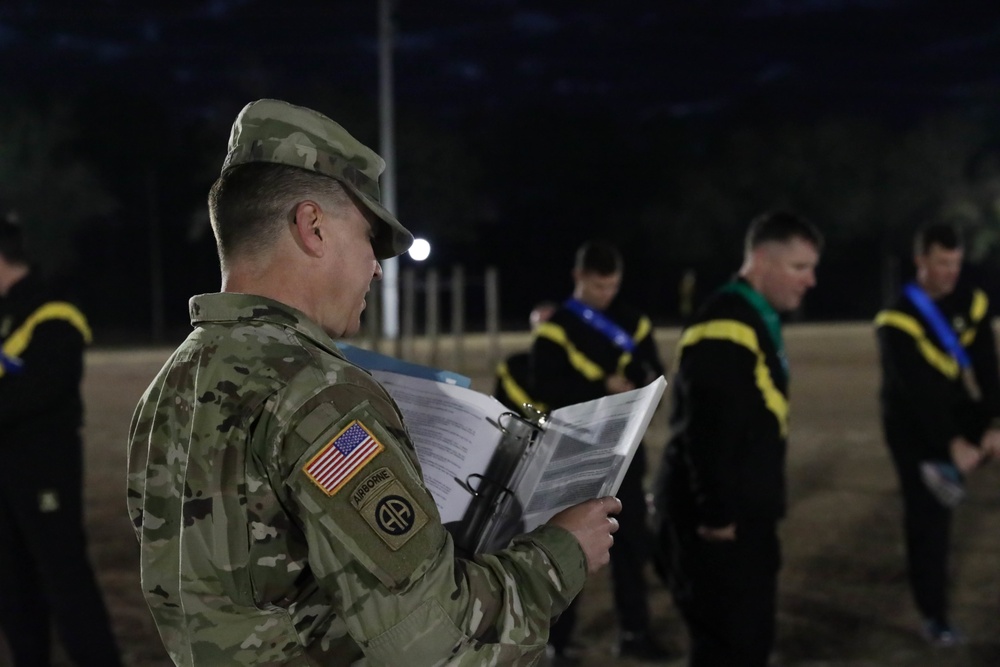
<point>250,556</point>
<point>282,133</point>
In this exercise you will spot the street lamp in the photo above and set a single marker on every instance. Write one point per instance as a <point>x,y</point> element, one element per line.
<point>420,250</point>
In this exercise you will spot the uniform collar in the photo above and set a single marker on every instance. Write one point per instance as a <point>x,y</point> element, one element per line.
<point>223,307</point>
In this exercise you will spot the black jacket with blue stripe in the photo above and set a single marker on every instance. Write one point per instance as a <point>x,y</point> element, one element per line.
<point>924,400</point>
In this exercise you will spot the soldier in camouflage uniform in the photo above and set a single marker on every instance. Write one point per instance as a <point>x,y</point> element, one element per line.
<point>275,491</point>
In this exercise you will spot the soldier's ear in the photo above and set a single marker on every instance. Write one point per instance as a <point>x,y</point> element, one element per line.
<point>307,228</point>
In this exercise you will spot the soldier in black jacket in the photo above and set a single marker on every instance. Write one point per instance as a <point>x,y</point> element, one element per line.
<point>45,573</point>
<point>594,346</point>
<point>940,402</point>
<point>513,374</point>
<point>720,492</point>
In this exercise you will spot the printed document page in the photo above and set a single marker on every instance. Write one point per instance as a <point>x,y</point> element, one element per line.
<point>585,451</point>
<point>452,432</point>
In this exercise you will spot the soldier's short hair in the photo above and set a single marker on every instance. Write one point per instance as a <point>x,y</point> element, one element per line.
<point>942,234</point>
<point>251,204</point>
<point>781,226</point>
<point>600,257</point>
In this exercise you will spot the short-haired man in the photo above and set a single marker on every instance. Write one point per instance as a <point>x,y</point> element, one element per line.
<point>275,491</point>
<point>594,346</point>
<point>721,488</point>
<point>940,401</point>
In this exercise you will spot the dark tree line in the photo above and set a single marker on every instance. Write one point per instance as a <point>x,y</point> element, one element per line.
<point>111,188</point>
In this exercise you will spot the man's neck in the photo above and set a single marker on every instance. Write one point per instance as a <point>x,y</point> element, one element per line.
<point>933,293</point>
<point>750,276</point>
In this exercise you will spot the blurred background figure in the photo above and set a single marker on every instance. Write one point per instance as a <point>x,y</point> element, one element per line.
<point>593,346</point>
<point>45,573</point>
<point>513,374</point>
<point>940,400</point>
<point>721,487</point>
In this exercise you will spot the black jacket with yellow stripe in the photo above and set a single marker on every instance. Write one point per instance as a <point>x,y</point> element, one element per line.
<point>42,338</point>
<point>725,461</point>
<point>924,401</point>
<point>570,360</point>
<point>513,384</point>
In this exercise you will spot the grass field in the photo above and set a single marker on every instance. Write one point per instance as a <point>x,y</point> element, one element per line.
<point>843,598</point>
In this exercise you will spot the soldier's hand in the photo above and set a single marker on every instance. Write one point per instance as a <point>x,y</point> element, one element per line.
<point>720,534</point>
<point>617,384</point>
<point>965,455</point>
<point>990,444</point>
<point>592,523</point>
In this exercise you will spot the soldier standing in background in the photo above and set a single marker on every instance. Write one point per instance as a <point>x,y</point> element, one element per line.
<point>595,346</point>
<point>940,402</point>
<point>720,492</point>
<point>45,573</point>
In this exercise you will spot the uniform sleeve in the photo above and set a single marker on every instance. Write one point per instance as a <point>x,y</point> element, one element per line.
<point>718,381</point>
<point>377,546</point>
<point>923,396</point>
<point>50,371</point>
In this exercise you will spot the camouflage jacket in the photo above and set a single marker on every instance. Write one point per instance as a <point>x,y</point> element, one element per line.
<point>283,519</point>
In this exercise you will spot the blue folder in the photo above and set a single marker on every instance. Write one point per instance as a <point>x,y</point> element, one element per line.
<point>375,361</point>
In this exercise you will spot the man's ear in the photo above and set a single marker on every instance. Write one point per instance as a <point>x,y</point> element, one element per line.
<point>308,229</point>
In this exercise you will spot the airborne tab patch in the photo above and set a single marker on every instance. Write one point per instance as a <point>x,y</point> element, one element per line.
<point>341,459</point>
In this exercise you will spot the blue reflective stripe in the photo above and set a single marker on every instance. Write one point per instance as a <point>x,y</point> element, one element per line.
<point>601,324</point>
<point>941,328</point>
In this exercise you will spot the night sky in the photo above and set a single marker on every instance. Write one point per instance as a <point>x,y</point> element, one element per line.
<point>643,58</point>
<point>511,82</point>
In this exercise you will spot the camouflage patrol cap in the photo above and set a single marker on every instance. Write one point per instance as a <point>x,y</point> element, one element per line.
<point>282,133</point>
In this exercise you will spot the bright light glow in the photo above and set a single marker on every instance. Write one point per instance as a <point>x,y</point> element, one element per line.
<point>420,250</point>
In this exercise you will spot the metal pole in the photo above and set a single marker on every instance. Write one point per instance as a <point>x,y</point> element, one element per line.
<point>390,267</point>
<point>409,314</point>
<point>493,314</point>
<point>458,316</point>
<point>432,314</point>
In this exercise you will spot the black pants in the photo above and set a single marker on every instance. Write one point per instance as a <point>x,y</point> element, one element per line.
<point>927,531</point>
<point>726,591</point>
<point>45,573</point>
<point>629,555</point>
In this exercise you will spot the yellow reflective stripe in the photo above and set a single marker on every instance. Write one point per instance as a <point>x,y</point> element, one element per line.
<point>939,360</point>
<point>967,336</point>
<point>577,359</point>
<point>642,329</point>
<point>742,334</point>
<point>20,338</point>
<point>516,391</point>
<point>980,303</point>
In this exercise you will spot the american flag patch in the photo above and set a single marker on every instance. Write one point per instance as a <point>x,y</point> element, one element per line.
<point>342,457</point>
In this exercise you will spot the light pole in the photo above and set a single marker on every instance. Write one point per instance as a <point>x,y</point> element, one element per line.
<point>390,267</point>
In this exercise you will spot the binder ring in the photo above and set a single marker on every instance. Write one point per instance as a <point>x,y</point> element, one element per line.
<point>482,482</point>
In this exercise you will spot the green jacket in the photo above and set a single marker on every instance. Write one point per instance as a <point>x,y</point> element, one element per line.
<point>283,519</point>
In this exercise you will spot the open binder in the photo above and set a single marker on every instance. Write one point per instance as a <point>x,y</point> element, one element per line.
<point>495,474</point>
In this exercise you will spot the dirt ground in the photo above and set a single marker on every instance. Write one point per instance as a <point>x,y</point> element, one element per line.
<point>843,597</point>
